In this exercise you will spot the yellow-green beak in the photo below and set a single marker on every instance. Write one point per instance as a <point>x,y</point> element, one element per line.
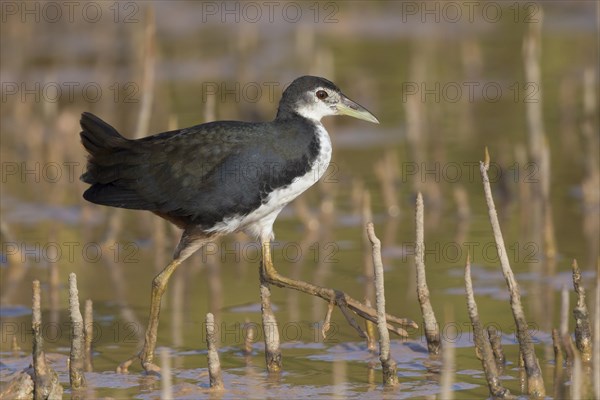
<point>352,109</point>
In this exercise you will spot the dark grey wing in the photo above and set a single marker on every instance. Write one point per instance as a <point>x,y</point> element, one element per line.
<point>169,174</point>
<point>199,175</point>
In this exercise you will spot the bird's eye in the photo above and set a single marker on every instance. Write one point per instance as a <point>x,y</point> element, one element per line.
<point>321,94</point>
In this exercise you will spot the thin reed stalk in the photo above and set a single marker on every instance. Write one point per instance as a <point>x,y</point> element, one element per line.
<point>88,334</point>
<point>535,382</point>
<point>390,377</point>
<point>77,356</point>
<point>559,386</point>
<point>367,216</point>
<point>482,344</point>
<point>432,332</point>
<point>496,342</point>
<point>45,379</point>
<point>214,365</point>
<point>583,332</point>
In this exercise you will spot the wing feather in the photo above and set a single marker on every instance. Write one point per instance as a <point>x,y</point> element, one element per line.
<point>197,175</point>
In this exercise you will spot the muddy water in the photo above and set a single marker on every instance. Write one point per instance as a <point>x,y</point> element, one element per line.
<point>443,85</point>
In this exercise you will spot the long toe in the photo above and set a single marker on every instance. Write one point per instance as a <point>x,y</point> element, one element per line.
<point>123,368</point>
<point>151,369</point>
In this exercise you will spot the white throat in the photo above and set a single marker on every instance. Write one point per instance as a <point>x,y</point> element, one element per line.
<point>315,111</point>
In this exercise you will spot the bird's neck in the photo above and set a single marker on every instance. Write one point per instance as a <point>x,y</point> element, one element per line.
<point>286,113</point>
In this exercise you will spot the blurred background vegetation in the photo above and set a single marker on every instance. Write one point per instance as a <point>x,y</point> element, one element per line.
<point>444,78</point>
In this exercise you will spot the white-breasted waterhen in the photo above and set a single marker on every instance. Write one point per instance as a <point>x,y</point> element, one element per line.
<point>218,177</point>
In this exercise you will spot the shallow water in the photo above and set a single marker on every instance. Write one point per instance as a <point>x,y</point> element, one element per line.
<point>382,55</point>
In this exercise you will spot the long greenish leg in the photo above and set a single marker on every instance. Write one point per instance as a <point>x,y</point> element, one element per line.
<point>188,244</point>
<point>271,276</point>
<point>270,329</point>
<point>159,285</point>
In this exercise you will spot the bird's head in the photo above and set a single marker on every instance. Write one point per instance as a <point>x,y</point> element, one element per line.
<point>314,98</point>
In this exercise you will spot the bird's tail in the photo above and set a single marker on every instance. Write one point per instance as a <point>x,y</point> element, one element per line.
<point>106,149</point>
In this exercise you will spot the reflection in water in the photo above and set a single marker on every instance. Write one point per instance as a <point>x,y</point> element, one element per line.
<point>119,287</point>
<point>340,379</point>
<point>405,69</point>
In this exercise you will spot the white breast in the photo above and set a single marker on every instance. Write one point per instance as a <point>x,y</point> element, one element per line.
<point>259,223</point>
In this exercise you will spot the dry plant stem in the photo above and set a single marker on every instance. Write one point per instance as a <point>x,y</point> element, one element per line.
<point>367,216</point>
<point>569,349</point>
<point>482,344</point>
<point>390,377</point>
<point>39,359</point>
<point>564,312</point>
<point>537,140</point>
<point>271,332</point>
<point>577,379</point>
<point>461,198</point>
<point>340,298</point>
<point>358,188</point>
<point>496,342</point>
<point>148,80</point>
<point>535,382</point>
<point>77,356</point>
<point>386,172</point>
<point>576,370</point>
<point>556,346</point>
<point>583,332</point>
<point>308,218</point>
<point>432,332</point>
<point>19,387</point>
<point>214,365</point>
<point>45,379</point>
<point>88,334</point>
<point>534,114</point>
<point>558,365</point>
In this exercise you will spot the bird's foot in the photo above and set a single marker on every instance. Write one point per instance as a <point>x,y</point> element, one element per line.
<point>149,367</point>
<point>123,368</point>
